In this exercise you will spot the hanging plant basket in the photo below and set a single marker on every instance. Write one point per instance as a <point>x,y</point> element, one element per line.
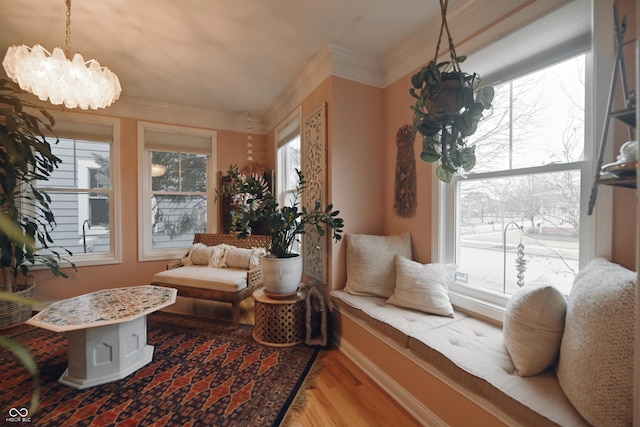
<point>449,104</point>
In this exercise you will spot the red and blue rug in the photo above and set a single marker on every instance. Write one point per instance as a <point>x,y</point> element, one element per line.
<point>202,374</point>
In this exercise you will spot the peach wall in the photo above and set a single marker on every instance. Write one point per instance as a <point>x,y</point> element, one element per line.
<point>231,149</point>
<point>356,164</point>
<point>398,113</point>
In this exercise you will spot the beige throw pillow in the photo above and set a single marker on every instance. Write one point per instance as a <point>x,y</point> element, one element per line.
<point>239,258</point>
<point>199,254</point>
<point>256,257</point>
<point>595,369</point>
<point>423,287</point>
<point>533,326</point>
<point>371,266</point>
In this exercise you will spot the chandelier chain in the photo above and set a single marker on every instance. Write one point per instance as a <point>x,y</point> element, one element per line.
<point>68,29</point>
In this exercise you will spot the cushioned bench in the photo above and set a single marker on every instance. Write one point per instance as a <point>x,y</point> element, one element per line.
<point>586,376</point>
<point>220,273</point>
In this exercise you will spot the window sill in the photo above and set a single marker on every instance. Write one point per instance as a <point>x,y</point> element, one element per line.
<point>477,307</point>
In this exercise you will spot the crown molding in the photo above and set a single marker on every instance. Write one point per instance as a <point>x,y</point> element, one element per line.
<point>332,60</point>
<point>140,109</point>
<point>418,49</point>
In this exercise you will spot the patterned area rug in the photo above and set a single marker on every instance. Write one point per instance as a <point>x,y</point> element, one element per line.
<point>202,374</point>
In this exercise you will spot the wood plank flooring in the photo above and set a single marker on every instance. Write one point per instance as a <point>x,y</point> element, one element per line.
<point>343,395</point>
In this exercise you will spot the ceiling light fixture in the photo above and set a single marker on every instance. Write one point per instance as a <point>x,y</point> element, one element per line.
<point>74,83</point>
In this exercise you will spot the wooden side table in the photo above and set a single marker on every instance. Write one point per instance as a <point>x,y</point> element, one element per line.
<point>279,322</point>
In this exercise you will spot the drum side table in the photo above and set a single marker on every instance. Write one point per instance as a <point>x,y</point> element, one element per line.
<point>279,322</point>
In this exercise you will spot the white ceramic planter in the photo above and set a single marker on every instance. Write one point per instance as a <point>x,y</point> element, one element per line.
<point>281,276</point>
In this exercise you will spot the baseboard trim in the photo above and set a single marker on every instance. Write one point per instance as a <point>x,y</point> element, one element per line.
<point>420,412</point>
<point>405,399</point>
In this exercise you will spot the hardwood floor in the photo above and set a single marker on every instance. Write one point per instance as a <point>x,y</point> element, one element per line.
<point>341,394</point>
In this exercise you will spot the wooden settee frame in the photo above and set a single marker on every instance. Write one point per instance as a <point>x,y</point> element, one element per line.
<point>254,276</point>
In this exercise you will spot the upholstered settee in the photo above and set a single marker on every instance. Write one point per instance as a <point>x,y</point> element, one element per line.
<point>555,361</point>
<point>218,267</point>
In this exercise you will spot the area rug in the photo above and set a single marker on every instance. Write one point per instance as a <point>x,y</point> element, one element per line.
<point>203,373</point>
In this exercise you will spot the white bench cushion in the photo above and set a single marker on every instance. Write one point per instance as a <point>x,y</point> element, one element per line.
<point>195,276</point>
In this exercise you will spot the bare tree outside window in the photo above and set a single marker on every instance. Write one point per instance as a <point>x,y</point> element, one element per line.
<point>528,173</point>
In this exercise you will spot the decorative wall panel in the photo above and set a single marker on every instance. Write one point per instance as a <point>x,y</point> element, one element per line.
<point>314,166</point>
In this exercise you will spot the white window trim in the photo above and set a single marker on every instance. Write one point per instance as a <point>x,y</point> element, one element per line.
<point>290,126</point>
<point>595,236</point>
<point>145,249</point>
<point>68,122</point>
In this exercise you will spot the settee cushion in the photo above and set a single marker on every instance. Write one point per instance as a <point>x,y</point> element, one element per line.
<point>197,276</point>
<point>371,266</point>
<point>397,323</point>
<point>423,287</point>
<point>533,326</point>
<point>595,368</point>
<point>472,353</point>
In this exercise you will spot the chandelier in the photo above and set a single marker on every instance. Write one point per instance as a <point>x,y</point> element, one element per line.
<point>74,83</point>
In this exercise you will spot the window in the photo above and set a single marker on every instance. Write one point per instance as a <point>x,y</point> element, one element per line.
<point>288,160</point>
<point>177,189</point>
<point>83,189</point>
<point>523,204</point>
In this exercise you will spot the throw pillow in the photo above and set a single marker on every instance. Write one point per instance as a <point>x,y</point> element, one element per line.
<point>595,369</point>
<point>423,287</point>
<point>533,326</point>
<point>239,258</point>
<point>201,254</point>
<point>256,257</point>
<point>219,256</point>
<point>371,268</point>
<point>186,260</point>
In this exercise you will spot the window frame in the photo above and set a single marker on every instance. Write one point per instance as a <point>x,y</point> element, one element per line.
<point>285,133</point>
<point>595,230</point>
<point>145,247</point>
<point>79,127</point>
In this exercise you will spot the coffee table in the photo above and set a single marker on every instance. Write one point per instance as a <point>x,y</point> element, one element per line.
<point>107,331</point>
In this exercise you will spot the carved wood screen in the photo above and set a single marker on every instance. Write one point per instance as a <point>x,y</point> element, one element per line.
<point>314,166</point>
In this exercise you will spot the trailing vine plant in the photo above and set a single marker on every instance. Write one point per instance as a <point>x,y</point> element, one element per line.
<point>449,103</point>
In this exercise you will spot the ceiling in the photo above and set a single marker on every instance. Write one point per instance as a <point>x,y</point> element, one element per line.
<point>226,56</point>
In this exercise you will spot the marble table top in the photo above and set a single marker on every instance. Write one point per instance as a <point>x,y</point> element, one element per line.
<point>105,307</point>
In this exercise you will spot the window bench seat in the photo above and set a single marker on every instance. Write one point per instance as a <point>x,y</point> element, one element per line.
<point>464,354</point>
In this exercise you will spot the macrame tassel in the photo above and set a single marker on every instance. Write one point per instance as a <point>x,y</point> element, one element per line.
<point>405,190</point>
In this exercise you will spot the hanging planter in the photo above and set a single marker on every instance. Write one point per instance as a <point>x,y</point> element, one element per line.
<point>449,104</point>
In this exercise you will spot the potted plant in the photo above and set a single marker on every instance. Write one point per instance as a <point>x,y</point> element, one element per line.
<point>285,225</point>
<point>449,103</point>
<point>25,158</point>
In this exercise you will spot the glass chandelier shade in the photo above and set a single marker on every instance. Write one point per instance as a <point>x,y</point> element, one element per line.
<point>73,83</point>
<point>61,80</point>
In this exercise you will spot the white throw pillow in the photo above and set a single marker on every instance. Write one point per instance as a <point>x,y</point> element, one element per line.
<point>595,369</point>
<point>238,258</point>
<point>256,257</point>
<point>423,287</point>
<point>199,254</point>
<point>371,268</point>
<point>219,256</point>
<point>533,326</point>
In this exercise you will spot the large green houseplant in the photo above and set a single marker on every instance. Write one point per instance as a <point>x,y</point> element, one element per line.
<point>449,103</point>
<point>285,223</point>
<point>25,158</point>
